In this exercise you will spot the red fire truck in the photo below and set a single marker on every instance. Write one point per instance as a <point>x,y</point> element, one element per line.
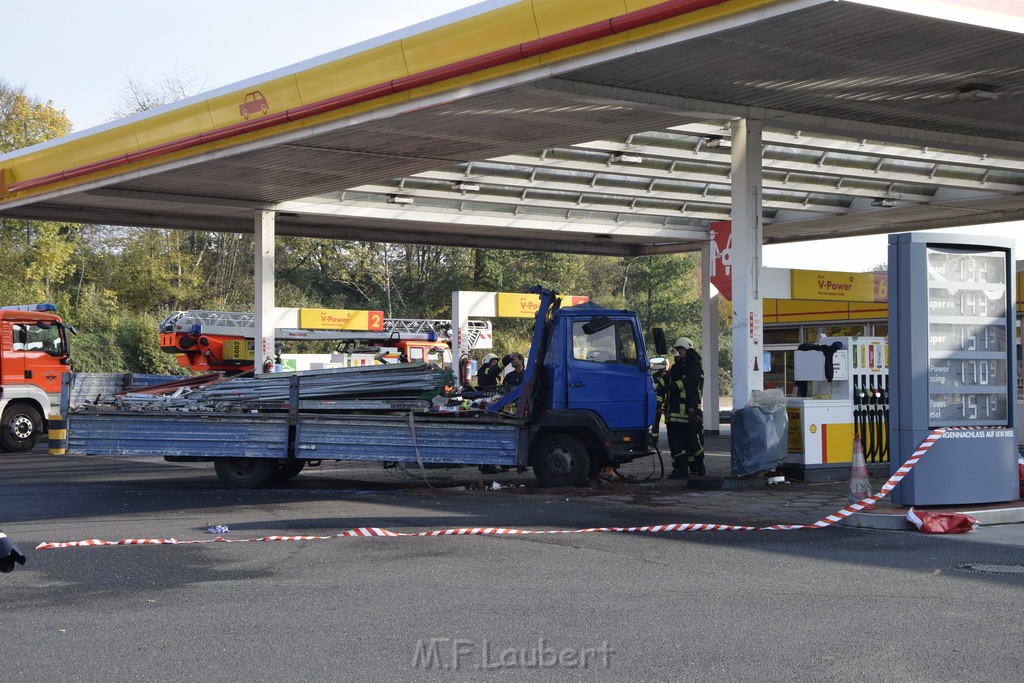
<point>33,360</point>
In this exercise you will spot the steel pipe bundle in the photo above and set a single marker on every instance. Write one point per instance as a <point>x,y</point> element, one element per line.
<point>400,382</point>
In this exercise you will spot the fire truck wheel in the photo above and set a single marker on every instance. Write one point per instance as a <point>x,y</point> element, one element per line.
<point>21,427</point>
<point>244,473</point>
<point>561,460</point>
<point>287,471</point>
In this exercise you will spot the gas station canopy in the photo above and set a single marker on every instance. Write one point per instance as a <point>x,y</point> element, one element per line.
<point>580,126</point>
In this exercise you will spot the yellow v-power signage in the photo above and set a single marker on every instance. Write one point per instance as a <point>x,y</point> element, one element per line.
<point>339,319</point>
<point>516,305</point>
<point>526,305</point>
<point>823,285</point>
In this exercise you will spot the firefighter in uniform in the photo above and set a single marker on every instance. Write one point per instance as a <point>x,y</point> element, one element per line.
<point>680,398</point>
<point>489,372</point>
<point>489,375</point>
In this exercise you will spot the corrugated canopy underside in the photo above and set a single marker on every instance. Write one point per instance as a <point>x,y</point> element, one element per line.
<point>874,121</point>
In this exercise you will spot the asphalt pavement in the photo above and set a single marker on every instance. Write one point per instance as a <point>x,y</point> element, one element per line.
<point>838,603</point>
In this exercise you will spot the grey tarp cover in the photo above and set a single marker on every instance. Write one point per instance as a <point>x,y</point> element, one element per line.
<point>759,434</point>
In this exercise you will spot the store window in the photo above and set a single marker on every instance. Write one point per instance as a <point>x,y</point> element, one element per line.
<point>782,335</point>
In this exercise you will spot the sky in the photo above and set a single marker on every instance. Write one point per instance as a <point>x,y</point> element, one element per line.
<point>858,254</point>
<point>79,54</point>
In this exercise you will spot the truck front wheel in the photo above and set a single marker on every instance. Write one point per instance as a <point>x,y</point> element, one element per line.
<point>561,460</point>
<point>20,428</point>
<point>244,473</point>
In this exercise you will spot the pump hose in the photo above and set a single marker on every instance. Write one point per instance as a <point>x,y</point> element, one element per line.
<point>883,414</point>
<point>858,420</point>
<point>883,456</point>
<point>866,429</point>
<point>869,450</point>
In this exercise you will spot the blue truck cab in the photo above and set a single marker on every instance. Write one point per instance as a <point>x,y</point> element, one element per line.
<point>590,402</point>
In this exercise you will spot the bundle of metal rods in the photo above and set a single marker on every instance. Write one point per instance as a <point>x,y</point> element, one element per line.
<point>403,381</point>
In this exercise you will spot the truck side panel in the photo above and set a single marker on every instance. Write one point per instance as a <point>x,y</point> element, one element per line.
<point>317,437</point>
<point>178,434</point>
<point>391,438</point>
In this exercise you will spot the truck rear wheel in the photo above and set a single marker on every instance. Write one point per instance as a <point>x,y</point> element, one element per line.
<point>21,427</point>
<point>561,460</point>
<point>244,473</point>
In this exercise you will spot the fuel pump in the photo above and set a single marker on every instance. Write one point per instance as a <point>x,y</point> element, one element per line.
<point>871,374</point>
<point>846,397</point>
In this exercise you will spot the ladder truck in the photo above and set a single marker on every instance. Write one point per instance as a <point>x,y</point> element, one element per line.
<point>222,341</point>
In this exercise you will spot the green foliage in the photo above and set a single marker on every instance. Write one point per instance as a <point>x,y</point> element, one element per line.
<point>137,337</point>
<point>153,271</point>
<point>96,352</point>
<point>724,348</point>
<point>116,285</point>
<point>512,334</point>
<point>122,343</point>
<point>665,291</point>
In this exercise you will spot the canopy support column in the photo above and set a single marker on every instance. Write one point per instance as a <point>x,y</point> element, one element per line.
<point>264,230</point>
<point>747,238</point>
<point>709,345</point>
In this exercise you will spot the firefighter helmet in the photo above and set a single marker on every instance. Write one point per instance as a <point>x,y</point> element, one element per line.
<point>684,343</point>
<point>489,357</point>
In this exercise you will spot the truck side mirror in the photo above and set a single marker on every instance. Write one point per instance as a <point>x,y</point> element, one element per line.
<point>597,324</point>
<point>660,344</point>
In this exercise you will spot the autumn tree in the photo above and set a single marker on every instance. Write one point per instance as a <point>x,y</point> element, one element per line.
<point>37,256</point>
<point>25,121</point>
<point>665,290</point>
<point>139,96</point>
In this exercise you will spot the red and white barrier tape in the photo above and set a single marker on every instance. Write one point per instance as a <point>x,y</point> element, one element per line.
<point>831,519</point>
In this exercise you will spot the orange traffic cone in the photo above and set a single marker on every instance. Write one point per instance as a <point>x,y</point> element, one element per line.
<point>860,487</point>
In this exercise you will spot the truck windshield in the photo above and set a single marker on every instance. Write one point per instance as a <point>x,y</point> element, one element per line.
<point>45,337</point>
<point>439,356</point>
<point>615,344</point>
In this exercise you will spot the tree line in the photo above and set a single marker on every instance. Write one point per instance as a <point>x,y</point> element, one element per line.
<point>115,284</point>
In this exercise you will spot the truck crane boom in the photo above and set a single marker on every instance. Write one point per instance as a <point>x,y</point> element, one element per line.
<point>222,340</point>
